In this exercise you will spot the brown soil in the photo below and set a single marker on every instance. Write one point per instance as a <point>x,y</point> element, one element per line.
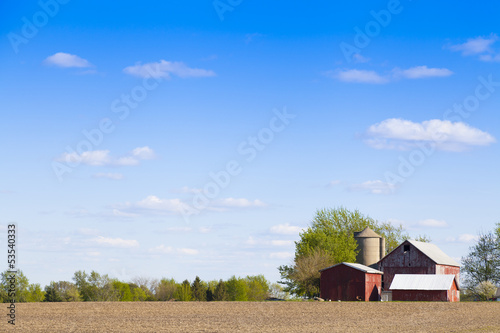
<point>255,317</point>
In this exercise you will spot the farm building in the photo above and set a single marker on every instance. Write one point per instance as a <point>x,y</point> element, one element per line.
<point>425,287</point>
<point>412,257</point>
<point>371,247</point>
<point>350,282</point>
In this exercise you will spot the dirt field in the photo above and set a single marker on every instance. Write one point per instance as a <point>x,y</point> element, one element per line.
<point>255,317</point>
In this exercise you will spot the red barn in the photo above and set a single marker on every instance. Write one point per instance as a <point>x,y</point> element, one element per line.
<point>425,287</point>
<point>412,257</point>
<point>350,282</point>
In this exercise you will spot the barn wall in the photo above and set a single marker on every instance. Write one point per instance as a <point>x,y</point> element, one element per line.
<point>454,293</point>
<point>348,284</point>
<point>448,270</point>
<point>420,295</point>
<point>373,287</point>
<point>409,262</point>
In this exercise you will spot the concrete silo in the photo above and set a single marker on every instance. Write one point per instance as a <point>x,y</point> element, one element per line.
<point>371,247</point>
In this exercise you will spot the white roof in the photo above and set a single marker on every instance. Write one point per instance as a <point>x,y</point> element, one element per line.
<point>422,282</point>
<point>360,267</point>
<point>434,253</point>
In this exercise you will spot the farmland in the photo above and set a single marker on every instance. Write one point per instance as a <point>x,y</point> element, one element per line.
<point>255,317</point>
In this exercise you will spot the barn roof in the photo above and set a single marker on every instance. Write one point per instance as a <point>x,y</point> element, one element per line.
<point>367,233</point>
<point>359,267</point>
<point>422,282</point>
<point>434,253</point>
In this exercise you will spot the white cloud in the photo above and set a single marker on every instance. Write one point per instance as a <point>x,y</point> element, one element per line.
<point>113,176</point>
<point>490,58</point>
<point>419,72</point>
<point>160,205</point>
<point>358,76</point>
<point>62,59</point>
<point>115,242</point>
<point>286,229</point>
<point>463,238</point>
<point>374,187</point>
<point>102,157</point>
<point>165,69</point>
<point>189,190</point>
<point>280,255</point>
<point>445,135</point>
<point>432,223</point>
<point>475,45</point>
<point>162,249</point>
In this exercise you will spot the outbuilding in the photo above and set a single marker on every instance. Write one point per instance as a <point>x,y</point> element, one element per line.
<point>413,257</point>
<point>350,282</point>
<point>425,287</point>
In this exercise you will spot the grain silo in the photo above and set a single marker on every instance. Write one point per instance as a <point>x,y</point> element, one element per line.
<point>371,247</point>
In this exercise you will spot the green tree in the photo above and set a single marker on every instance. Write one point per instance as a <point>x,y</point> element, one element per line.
<point>62,291</point>
<point>199,290</point>
<point>166,290</point>
<point>257,288</point>
<point>123,290</point>
<point>139,295</point>
<point>220,292</point>
<point>183,292</point>
<point>483,261</point>
<point>35,293</point>
<point>303,278</point>
<point>237,289</point>
<point>95,287</point>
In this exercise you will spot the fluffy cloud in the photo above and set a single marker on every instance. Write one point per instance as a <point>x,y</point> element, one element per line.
<point>372,77</point>
<point>463,238</point>
<point>286,229</point>
<point>446,135</point>
<point>419,72</point>
<point>475,45</point>
<point>115,242</point>
<point>165,69</point>
<point>102,157</point>
<point>358,76</point>
<point>62,59</point>
<point>432,223</point>
<point>374,187</point>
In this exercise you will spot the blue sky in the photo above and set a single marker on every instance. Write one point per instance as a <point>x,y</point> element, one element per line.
<point>184,138</point>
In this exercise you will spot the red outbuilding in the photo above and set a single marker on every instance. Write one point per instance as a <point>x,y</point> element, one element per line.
<point>425,287</point>
<point>350,282</point>
<point>412,257</point>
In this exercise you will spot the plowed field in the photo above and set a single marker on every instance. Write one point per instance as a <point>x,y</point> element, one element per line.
<point>255,317</point>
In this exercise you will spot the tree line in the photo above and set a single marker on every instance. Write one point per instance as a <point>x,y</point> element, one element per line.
<point>95,287</point>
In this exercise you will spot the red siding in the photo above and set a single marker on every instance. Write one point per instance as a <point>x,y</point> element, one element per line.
<point>443,269</point>
<point>349,284</point>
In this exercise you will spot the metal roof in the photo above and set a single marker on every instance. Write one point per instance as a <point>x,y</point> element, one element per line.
<point>422,282</point>
<point>366,233</point>
<point>434,253</point>
<point>359,267</point>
